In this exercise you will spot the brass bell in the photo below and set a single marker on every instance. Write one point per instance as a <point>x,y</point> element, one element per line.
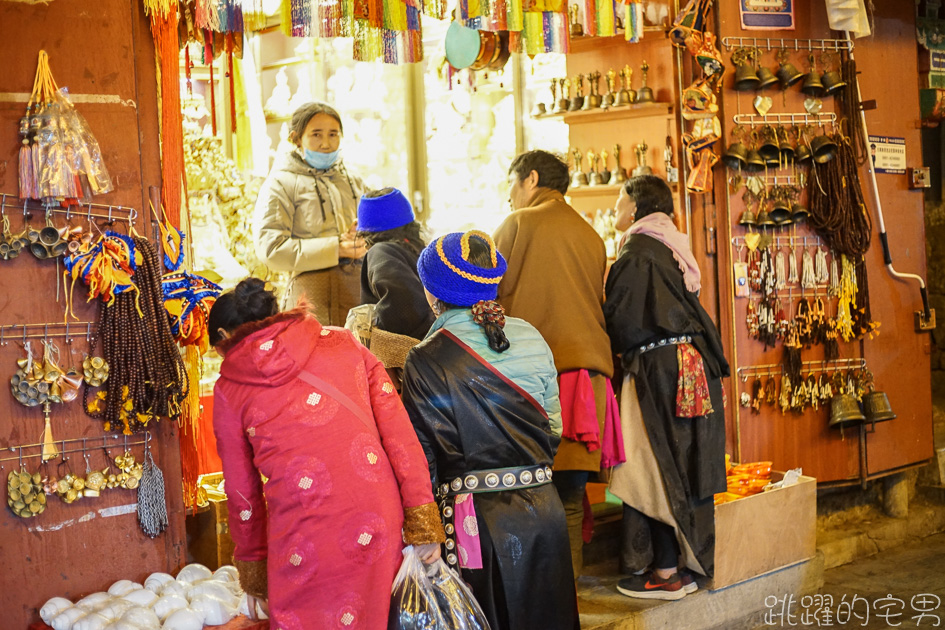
<point>780,212</point>
<point>764,219</point>
<point>788,75</point>
<point>39,250</point>
<point>766,78</point>
<point>787,149</point>
<point>754,163</point>
<point>832,82</point>
<point>746,79</point>
<point>812,86</point>
<point>578,179</point>
<point>823,149</point>
<point>876,407</point>
<point>747,218</point>
<point>845,411</point>
<point>799,212</point>
<point>802,154</point>
<point>735,156</point>
<point>769,149</point>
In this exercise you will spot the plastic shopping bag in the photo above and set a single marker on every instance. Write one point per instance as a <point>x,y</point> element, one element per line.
<point>432,597</point>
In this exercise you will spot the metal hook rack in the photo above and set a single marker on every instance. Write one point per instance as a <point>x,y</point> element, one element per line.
<point>784,241</point>
<point>775,369</point>
<point>779,43</point>
<point>108,213</point>
<point>17,332</point>
<point>792,118</point>
<point>100,442</point>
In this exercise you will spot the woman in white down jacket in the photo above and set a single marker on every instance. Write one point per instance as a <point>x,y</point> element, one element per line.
<point>305,217</point>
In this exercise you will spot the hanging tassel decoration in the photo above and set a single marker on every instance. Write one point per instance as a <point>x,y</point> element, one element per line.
<point>208,54</point>
<point>230,75</point>
<point>152,503</point>
<point>792,268</point>
<point>189,422</point>
<point>49,446</point>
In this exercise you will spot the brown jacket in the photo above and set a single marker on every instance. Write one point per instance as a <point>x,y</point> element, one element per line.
<point>555,282</point>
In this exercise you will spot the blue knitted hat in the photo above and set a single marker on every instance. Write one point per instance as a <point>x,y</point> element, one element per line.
<point>446,272</point>
<point>377,214</point>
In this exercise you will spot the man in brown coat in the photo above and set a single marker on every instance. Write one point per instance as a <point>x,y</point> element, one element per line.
<point>555,282</point>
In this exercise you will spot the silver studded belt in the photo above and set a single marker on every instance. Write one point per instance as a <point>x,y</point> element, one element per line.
<point>669,341</point>
<point>496,480</point>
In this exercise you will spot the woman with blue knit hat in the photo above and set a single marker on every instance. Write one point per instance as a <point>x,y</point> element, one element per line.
<point>482,393</point>
<point>389,277</point>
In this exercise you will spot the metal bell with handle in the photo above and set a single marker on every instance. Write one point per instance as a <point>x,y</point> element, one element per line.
<point>747,218</point>
<point>780,212</point>
<point>832,82</point>
<point>766,78</point>
<point>754,163</point>
<point>876,407</point>
<point>746,79</point>
<point>788,75</point>
<point>764,219</point>
<point>735,156</point>
<point>845,411</point>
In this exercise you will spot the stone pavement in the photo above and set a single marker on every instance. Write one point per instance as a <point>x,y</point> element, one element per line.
<point>893,589</point>
<point>868,567</point>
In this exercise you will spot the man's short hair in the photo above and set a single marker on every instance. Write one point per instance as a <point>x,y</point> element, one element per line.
<point>552,170</point>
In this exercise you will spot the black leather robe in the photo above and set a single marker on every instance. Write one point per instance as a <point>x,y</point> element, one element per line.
<point>469,418</point>
<point>647,301</point>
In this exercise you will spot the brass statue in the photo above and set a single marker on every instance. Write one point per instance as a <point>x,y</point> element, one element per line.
<point>578,178</point>
<point>642,168</point>
<point>626,95</point>
<point>577,100</point>
<point>645,94</point>
<point>618,175</point>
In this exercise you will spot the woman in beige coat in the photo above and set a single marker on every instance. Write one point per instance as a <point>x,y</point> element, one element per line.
<point>305,217</point>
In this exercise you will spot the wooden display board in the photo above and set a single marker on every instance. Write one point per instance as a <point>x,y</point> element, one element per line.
<point>898,357</point>
<point>103,53</point>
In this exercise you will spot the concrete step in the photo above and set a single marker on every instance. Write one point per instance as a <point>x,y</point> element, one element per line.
<point>737,607</point>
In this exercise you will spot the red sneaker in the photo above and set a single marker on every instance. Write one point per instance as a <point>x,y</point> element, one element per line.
<point>652,586</point>
<point>688,581</point>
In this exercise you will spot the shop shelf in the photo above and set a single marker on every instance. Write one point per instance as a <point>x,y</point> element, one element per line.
<point>584,43</point>
<point>642,110</point>
<point>607,190</point>
<point>283,63</point>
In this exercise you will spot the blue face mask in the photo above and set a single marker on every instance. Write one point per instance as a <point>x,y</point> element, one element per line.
<point>321,161</point>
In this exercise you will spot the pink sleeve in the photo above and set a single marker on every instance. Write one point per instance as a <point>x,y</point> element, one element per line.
<point>244,490</point>
<point>397,436</point>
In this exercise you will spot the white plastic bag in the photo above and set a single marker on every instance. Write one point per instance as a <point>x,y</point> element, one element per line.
<point>432,597</point>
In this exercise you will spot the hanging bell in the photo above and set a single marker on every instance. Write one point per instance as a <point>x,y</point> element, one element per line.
<point>876,407</point>
<point>769,148</point>
<point>799,212</point>
<point>780,212</point>
<point>747,218</point>
<point>812,86</point>
<point>754,163</point>
<point>746,79</point>
<point>764,219</point>
<point>832,82</point>
<point>845,411</point>
<point>823,149</point>
<point>802,154</point>
<point>788,75</point>
<point>735,156</point>
<point>766,78</point>
<point>787,149</point>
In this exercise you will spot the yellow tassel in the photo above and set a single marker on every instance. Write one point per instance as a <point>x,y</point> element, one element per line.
<point>49,447</point>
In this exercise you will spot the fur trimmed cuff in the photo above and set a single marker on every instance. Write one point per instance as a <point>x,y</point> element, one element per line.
<point>253,577</point>
<point>422,525</point>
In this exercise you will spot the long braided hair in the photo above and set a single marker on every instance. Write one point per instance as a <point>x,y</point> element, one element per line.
<point>489,314</point>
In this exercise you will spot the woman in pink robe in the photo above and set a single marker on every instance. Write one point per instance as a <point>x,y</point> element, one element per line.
<point>314,412</point>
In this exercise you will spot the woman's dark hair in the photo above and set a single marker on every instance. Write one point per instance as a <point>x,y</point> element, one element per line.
<point>651,194</point>
<point>249,301</point>
<point>480,256</point>
<point>552,170</point>
<point>406,236</point>
<point>305,113</point>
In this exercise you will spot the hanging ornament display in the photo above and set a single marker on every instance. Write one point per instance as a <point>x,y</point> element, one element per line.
<point>59,159</point>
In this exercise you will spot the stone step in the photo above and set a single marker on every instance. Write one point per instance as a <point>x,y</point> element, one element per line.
<point>736,607</point>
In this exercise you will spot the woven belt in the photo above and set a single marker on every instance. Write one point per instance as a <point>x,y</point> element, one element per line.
<point>497,480</point>
<point>669,341</point>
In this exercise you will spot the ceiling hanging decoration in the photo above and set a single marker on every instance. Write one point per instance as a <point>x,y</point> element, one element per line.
<point>534,26</point>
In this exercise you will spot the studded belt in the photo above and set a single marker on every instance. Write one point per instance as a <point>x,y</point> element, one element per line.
<point>669,341</point>
<point>496,480</point>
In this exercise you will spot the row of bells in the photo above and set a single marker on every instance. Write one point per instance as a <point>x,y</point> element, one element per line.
<point>771,153</point>
<point>815,84</point>
<point>781,213</point>
<point>846,411</point>
<point>47,242</point>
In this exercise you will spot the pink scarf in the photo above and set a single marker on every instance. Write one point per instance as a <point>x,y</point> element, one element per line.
<point>660,226</point>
